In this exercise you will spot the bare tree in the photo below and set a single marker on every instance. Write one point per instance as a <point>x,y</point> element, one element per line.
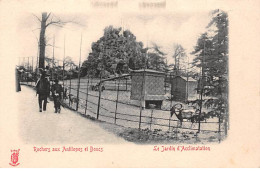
<point>68,63</point>
<point>47,19</point>
<point>179,53</point>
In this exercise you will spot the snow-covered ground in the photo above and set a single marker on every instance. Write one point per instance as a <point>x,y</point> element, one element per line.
<point>49,127</point>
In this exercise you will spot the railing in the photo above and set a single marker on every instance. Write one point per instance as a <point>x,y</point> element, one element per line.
<point>114,105</point>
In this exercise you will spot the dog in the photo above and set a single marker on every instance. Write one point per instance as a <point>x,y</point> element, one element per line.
<point>73,99</point>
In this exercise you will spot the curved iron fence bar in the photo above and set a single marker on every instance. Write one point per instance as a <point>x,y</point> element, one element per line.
<point>109,99</point>
<point>106,116</point>
<point>160,124</point>
<point>95,104</point>
<point>92,111</point>
<point>127,120</point>
<point>210,131</point>
<point>82,105</point>
<point>127,114</point>
<point>92,103</point>
<point>162,118</point>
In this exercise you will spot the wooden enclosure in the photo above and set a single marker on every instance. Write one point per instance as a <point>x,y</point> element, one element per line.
<point>183,89</point>
<point>148,87</point>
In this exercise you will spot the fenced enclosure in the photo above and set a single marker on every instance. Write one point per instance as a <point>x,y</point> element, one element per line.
<point>109,100</point>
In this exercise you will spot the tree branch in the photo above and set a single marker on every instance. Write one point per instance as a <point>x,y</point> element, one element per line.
<point>58,23</point>
<point>53,46</point>
<point>48,16</point>
<point>36,29</point>
<point>37,17</point>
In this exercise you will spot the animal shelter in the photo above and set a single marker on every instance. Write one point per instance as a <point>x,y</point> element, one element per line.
<point>183,88</point>
<point>148,87</point>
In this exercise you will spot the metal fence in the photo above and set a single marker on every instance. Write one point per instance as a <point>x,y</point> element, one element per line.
<point>110,102</point>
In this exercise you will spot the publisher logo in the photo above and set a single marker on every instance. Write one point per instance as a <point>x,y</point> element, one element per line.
<point>14,157</point>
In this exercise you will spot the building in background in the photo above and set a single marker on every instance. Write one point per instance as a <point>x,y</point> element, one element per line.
<point>148,87</point>
<point>183,88</point>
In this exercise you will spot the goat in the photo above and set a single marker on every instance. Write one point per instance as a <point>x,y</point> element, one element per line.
<point>189,114</point>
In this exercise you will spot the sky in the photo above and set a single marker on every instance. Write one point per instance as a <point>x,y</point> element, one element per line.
<point>163,28</point>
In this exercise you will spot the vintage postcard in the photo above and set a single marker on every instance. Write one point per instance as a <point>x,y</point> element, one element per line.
<point>129,84</point>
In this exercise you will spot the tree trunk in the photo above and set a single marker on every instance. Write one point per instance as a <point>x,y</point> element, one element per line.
<point>42,41</point>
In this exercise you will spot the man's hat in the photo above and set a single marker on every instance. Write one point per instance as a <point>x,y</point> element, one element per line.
<point>42,71</point>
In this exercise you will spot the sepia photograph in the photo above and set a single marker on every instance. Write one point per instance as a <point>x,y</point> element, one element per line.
<point>120,74</point>
<point>156,86</point>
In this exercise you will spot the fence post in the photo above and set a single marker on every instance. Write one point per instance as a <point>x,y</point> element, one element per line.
<point>28,69</point>
<point>70,91</point>
<point>31,77</point>
<point>99,95</point>
<point>176,130</point>
<point>170,123</point>
<point>165,84</point>
<point>151,119</point>
<point>140,118</point>
<point>27,78</point>
<point>219,124</point>
<point>200,105</point>
<point>117,93</point>
<point>197,138</point>
<point>171,90</point>
<point>86,106</point>
<point>90,81</point>
<point>65,92</point>
<point>126,83</point>
<point>142,98</point>
<point>77,106</point>
<point>225,125</point>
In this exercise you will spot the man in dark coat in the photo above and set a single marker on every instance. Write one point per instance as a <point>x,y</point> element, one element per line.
<point>43,90</point>
<point>56,90</point>
<point>17,79</point>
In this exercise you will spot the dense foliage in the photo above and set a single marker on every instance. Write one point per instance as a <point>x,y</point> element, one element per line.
<point>117,51</point>
<point>211,54</point>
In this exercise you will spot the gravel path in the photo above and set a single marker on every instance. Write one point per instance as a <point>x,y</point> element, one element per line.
<point>66,127</point>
